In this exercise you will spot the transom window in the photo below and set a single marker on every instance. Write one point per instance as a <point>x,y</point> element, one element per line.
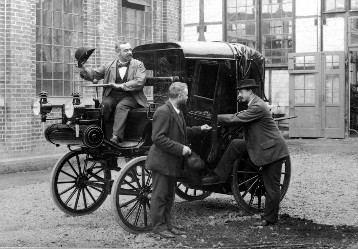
<point>59,31</point>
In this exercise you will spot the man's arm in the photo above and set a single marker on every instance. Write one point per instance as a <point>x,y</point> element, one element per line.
<point>139,79</point>
<point>252,113</point>
<point>161,126</point>
<point>91,74</point>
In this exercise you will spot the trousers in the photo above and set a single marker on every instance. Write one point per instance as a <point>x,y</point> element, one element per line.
<point>120,107</point>
<point>162,201</point>
<point>271,174</point>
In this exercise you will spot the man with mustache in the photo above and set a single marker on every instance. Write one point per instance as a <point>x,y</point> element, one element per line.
<point>263,143</point>
<point>125,77</point>
<point>165,158</point>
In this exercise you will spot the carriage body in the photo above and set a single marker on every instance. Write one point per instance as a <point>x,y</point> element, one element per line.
<point>82,179</point>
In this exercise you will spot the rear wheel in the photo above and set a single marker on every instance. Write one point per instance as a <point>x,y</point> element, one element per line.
<point>190,194</point>
<point>248,186</point>
<point>131,193</point>
<point>79,183</point>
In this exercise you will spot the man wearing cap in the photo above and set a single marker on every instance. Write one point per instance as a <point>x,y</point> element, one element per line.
<point>125,77</point>
<point>263,143</point>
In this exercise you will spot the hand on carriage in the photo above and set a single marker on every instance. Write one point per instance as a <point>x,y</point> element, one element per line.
<point>117,86</point>
<point>205,127</point>
<point>186,151</point>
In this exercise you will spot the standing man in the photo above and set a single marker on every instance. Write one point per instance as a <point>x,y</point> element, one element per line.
<point>125,77</point>
<point>263,143</point>
<point>165,157</point>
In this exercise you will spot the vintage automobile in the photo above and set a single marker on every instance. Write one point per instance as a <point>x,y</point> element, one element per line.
<point>82,179</point>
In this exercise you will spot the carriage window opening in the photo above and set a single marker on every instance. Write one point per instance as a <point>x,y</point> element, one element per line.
<point>207,81</point>
<point>168,64</point>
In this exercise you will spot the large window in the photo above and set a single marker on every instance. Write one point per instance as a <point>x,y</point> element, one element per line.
<point>241,22</point>
<point>273,25</point>
<point>59,31</point>
<point>135,21</point>
<point>276,30</point>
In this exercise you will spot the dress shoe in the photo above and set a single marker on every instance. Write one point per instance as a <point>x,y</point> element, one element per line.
<point>165,234</point>
<point>115,139</point>
<point>264,223</point>
<point>211,179</point>
<point>176,231</point>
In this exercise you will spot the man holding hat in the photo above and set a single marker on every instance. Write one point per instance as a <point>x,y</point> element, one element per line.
<point>263,143</point>
<point>125,79</point>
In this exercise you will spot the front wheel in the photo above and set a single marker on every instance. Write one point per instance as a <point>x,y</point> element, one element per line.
<point>131,194</point>
<point>248,186</point>
<point>79,183</point>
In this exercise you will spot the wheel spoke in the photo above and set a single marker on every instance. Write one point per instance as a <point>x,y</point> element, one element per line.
<point>72,194</point>
<point>136,178</point>
<point>253,195</point>
<point>247,172</point>
<point>99,190</point>
<point>259,198</point>
<point>73,169</point>
<point>138,214</point>
<point>68,174</point>
<point>93,199</point>
<point>77,198</point>
<point>78,163</point>
<point>248,189</point>
<point>84,197</point>
<point>129,184</point>
<point>248,180</point>
<point>123,191</point>
<point>66,190</point>
<point>132,210</point>
<point>145,213</point>
<point>63,182</point>
<point>128,202</point>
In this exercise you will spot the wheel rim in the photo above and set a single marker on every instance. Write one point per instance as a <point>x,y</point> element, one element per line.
<point>77,187</point>
<point>248,186</point>
<point>190,194</point>
<point>132,197</point>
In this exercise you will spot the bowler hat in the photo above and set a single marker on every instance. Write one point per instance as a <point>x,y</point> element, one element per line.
<point>247,84</point>
<point>82,54</point>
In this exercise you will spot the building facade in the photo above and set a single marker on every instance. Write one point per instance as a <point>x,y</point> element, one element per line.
<point>310,48</point>
<point>38,39</point>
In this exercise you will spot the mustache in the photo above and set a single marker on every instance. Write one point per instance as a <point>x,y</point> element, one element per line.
<point>239,99</point>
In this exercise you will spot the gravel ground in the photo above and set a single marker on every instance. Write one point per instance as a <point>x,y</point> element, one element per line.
<point>323,189</point>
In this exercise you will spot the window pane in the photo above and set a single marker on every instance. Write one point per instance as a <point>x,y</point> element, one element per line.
<point>68,6</point>
<point>47,35</point>
<point>58,88</point>
<point>47,70</point>
<point>67,88</point>
<point>58,37</point>
<point>47,18</point>
<point>68,35</point>
<point>333,34</point>
<point>77,6</point>
<point>47,4</point>
<point>46,53</point>
<point>47,86</point>
<point>354,4</point>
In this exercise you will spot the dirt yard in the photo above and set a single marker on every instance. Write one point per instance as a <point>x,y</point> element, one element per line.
<point>319,211</point>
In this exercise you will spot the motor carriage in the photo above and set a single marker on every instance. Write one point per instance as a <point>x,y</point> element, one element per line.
<point>83,178</point>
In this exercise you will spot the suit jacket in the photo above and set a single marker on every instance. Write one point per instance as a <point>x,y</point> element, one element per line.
<point>264,140</point>
<point>169,135</point>
<point>135,83</point>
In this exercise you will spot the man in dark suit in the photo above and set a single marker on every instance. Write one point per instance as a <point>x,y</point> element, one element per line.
<point>165,157</point>
<point>125,77</point>
<point>263,143</point>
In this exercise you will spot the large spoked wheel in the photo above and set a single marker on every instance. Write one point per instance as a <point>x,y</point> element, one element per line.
<point>190,194</point>
<point>79,184</point>
<point>248,186</point>
<point>131,194</point>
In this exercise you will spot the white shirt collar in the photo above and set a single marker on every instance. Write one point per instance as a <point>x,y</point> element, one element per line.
<point>176,109</point>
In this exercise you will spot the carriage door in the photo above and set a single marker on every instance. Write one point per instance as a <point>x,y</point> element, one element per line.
<point>316,89</point>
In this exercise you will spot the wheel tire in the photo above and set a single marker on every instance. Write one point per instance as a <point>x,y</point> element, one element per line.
<point>190,194</point>
<point>131,194</point>
<point>69,184</point>
<point>248,187</point>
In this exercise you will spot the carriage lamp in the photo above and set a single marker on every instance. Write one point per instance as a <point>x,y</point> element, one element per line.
<point>74,107</point>
<point>42,107</point>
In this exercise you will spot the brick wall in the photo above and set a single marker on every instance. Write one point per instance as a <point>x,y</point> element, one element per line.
<point>20,75</point>
<point>21,132</point>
